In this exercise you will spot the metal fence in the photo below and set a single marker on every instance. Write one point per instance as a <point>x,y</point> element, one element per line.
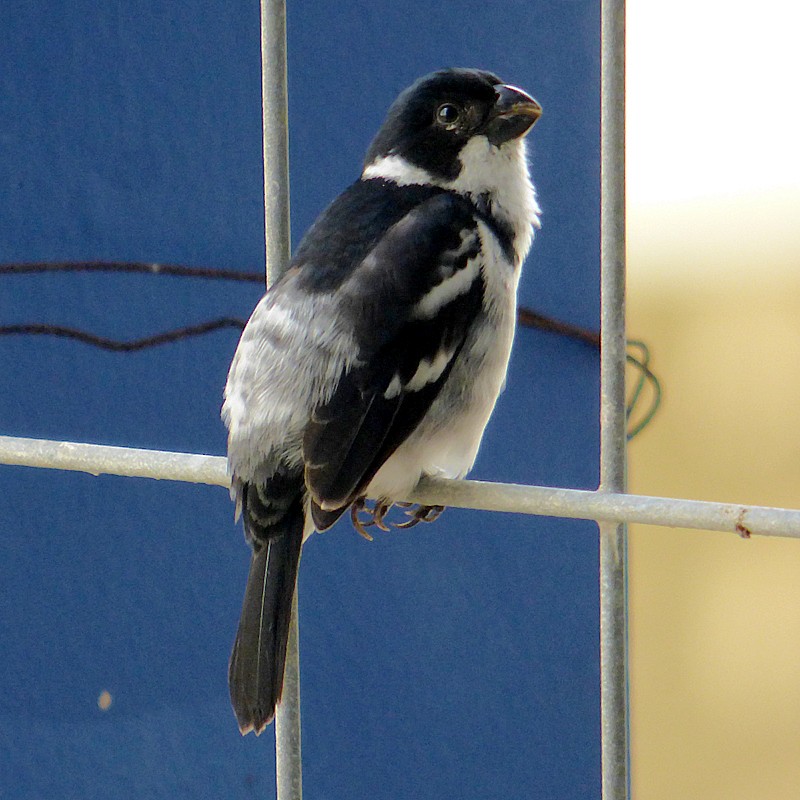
<point>610,506</point>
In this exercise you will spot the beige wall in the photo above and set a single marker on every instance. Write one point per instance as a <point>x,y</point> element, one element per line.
<point>714,288</point>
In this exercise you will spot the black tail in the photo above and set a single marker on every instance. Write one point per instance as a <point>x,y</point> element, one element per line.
<point>273,523</point>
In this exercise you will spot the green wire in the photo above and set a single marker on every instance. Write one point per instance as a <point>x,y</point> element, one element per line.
<point>646,376</point>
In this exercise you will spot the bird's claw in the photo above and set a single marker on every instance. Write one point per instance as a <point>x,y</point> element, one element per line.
<point>357,507</point>
<point>374,516</point>
<point>364,516</point>
<point>421,514</point>
<point>379,511</point>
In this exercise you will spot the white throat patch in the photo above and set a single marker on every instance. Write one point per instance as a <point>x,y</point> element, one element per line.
<point>397,170</point>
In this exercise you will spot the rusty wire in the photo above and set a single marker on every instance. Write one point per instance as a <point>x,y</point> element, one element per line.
<point>638,352</point>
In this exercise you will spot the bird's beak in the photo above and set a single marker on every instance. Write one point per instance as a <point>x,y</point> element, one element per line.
<point>514,114</point>
<point>512,101</point>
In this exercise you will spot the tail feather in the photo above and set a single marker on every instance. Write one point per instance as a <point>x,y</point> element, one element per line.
<point>255,675</point>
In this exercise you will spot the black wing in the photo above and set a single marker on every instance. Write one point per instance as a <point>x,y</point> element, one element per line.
<point>412,300</point>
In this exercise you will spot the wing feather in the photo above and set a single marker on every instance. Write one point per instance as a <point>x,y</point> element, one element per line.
<point>413,299</point>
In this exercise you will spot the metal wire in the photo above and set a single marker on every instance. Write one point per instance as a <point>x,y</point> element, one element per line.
<point>131,267</point>
<point>645,376</point>
<point>275,121</point>
<point>602,506</point>
<point>615,734</point>
<point>275,117</point>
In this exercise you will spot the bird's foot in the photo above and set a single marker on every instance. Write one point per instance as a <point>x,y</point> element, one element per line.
<point>364,516</point>
<point>374,516</point>
<point>420,514</point>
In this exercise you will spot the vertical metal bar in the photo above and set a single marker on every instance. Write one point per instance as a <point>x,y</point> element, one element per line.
<point>275,109</point>
<point>288,761</point>
<point>613,537</point>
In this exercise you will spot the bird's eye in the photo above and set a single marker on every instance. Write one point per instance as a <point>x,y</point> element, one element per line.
<point>448,114</point>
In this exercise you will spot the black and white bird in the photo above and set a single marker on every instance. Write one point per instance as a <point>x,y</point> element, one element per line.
<point>379,355</point>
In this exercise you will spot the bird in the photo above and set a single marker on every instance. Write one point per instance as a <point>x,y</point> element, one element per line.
<point>377,358</point>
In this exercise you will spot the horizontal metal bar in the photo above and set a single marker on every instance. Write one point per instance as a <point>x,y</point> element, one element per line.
<point>601,506</point>
<point>100,459</point>
<point>604,506</point>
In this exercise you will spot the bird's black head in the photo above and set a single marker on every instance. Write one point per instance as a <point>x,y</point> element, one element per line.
<point>432,120</point>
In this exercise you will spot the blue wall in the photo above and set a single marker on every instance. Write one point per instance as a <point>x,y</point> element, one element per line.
<point>454,660</point>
